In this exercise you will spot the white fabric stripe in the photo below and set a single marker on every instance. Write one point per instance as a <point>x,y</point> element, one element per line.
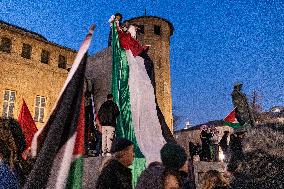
<point>146,124</point>
<point>61,165</point>
<point>83,49</point>
<point>34,143</point>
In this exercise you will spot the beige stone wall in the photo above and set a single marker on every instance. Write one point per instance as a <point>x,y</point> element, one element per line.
<point>29,77</point>
<point>160,54</point>
<point>99,70</point>
<point>201,167</point>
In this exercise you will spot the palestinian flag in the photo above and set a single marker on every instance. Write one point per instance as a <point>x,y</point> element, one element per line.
<point>59,145</point>
<point>134,94</point>
<point>28,127</point>
<point>231,120</point>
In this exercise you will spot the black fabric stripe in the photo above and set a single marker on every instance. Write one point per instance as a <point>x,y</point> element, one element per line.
<point>60,127</point>
<point>149,66</point>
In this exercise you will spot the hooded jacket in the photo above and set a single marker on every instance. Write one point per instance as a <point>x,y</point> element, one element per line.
<point>108,113</point>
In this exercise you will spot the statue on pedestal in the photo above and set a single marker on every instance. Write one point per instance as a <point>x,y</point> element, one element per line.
<point>244,112</point>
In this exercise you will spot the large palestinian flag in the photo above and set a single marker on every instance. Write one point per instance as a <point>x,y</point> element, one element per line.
<point>134,94</point>
<point>59,145</point>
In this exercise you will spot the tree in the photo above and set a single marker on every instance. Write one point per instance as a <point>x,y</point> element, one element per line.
<point>256,104</point>
<point>176,119</point>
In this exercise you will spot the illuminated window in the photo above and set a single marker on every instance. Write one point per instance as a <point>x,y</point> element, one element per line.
<point>9,104</point>
<point>39,108</point>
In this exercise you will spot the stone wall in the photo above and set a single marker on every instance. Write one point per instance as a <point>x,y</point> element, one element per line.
<point>29,77</point>
<point>201,167</point>
<point>160,54</point>
<point>99,70</point>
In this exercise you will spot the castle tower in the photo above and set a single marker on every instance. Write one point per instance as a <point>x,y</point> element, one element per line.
<point>156,31</point>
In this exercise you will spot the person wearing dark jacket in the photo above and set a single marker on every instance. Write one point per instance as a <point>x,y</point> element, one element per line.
<point>115,173</point>
<point>107,116</point>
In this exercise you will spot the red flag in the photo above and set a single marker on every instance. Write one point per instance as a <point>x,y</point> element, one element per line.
<point>28,126</point>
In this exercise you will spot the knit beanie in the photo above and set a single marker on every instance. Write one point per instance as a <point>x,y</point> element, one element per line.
<point>173,156</point>
<point>120,144</point>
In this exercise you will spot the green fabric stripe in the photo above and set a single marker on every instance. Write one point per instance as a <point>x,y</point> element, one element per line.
<point>138,165</point>
<point>75,177</point>
<point>124,128</point>
<point>233,125</point>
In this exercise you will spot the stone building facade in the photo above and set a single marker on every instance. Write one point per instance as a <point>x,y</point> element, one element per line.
<point>156,31</point>
<point>31,68</point>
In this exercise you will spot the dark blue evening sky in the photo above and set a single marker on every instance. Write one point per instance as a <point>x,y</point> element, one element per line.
<point>215,44</point>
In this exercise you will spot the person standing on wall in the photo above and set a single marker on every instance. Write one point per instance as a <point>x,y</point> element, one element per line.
<point>117,17</point>
<point>108,113</point>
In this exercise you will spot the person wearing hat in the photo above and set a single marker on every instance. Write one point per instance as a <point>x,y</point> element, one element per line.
<point>175,161</point>
<point>171,173</point>
<point>115,173</point>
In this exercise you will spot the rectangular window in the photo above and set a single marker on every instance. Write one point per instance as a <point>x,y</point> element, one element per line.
<point>44,57</point>
<point>62,62</point>
<point>9,104</point>
<point>6,45</point>
<point>157,30</point>
<point>141,29</point>
<point>26,51</point>
<point>39,108</point>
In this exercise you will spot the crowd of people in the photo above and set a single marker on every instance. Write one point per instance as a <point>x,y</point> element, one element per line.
<point>259,157</point>
<point>210,143</point>
<point>173,172</point>
<point>254,154</point>
<point>215,147</point>
<point>251,165</point>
